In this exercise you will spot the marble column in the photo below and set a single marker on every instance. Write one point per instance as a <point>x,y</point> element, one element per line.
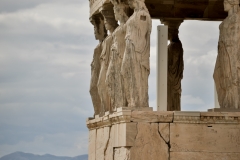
<point>162,67</point>
<point>110,25</point>
<point>226,72</point>
<point>100,34</point>
<point>175,65</point>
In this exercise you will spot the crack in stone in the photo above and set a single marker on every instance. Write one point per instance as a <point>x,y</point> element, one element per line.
<point>168,143</point>
<point>136,133</point>
<point>129,153</point>
<point>105,149</point>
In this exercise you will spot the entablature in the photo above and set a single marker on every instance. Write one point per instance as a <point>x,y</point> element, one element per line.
<point>211,10</point>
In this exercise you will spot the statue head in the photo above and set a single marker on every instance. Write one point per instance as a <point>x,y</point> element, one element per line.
<point>99,31</point>
<point>109,19</point>
<point>173,26</point>
<point>121,12</point>
<point>229,4</point>
<point>137,5</point>
<point>110,23</point>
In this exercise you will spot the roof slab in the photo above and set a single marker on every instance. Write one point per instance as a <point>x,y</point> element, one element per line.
<point>211,10</point>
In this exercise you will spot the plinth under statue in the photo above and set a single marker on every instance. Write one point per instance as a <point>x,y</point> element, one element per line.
<point>124,127</point>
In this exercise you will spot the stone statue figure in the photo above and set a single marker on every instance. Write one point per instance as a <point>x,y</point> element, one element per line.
<point>100,34</point>
<point>110,25</point>
<point>135,66</point>
<point>175,66</point>
<point>114,78</point>
<point>226,73</point>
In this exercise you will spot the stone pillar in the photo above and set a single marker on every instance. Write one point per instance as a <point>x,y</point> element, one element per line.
<point>175,65</point>
<point>162,62</point>
<point>110,24</point>
<point>100,34</point>
<point>226,72</point>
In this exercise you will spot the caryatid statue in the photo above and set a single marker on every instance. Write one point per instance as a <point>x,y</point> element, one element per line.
<point>226,73</point>
<point>114,78</point>
<point>100,34</point>
<point>110,25</point>
<point>135,66</point>
<point>175,65</point>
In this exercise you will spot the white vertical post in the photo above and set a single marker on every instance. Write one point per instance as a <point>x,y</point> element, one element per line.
<point>162,68</point>
<point>216,97</point>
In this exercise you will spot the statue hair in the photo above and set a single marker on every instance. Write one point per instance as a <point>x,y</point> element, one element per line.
<point>233,2</point>
<point>124,8</point>
<point>98,20</point>
<point>141,5</point>
<point>112,22</point>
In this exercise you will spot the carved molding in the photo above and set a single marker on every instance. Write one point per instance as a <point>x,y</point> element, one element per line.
<point>127,116</point>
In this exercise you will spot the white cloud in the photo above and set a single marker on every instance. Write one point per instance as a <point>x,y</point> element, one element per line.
<point>189,99</point>
<point>60,17</point>
<point>45,59</point>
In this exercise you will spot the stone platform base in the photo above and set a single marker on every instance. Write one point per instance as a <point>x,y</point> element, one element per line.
<point>153,135</point>
<point>223,110</point>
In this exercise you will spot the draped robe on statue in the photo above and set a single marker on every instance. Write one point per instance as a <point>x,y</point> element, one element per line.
<point>226,73</point>
<point>95,69</point>
<point>114,78</point>
<point>175,75</point>
<point>102,87</point>
<point>135,67</point>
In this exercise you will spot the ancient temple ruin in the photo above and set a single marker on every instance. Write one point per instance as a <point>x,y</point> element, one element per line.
<point>124,127</point>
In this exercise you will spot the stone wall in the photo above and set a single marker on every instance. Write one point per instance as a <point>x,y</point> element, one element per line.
<point>153,135</point>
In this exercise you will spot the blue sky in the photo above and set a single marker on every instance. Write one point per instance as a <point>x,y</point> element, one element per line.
<point>46,51</point>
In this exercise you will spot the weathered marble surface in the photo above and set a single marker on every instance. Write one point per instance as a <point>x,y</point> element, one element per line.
<point>100,34</point>
<point>102,142</point>
<point>151,116</point>
<point>135,64</point>
<point>186,117</point>
<point>202,10</point>
<point>226,73</point>
<point>204,156</point>
<point>121,153</point>
<point>110,25</point>
<point>125,134</point>
<point>204,137</point>
<point>114,78</point>
<point>220,117</point>
<point>193,135</point>
<point>108,153</point>
<point>92,144</point>
<point>149,145</point>
<point>123,65</point>
<point>175,65</point>
<point>164,129</point>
